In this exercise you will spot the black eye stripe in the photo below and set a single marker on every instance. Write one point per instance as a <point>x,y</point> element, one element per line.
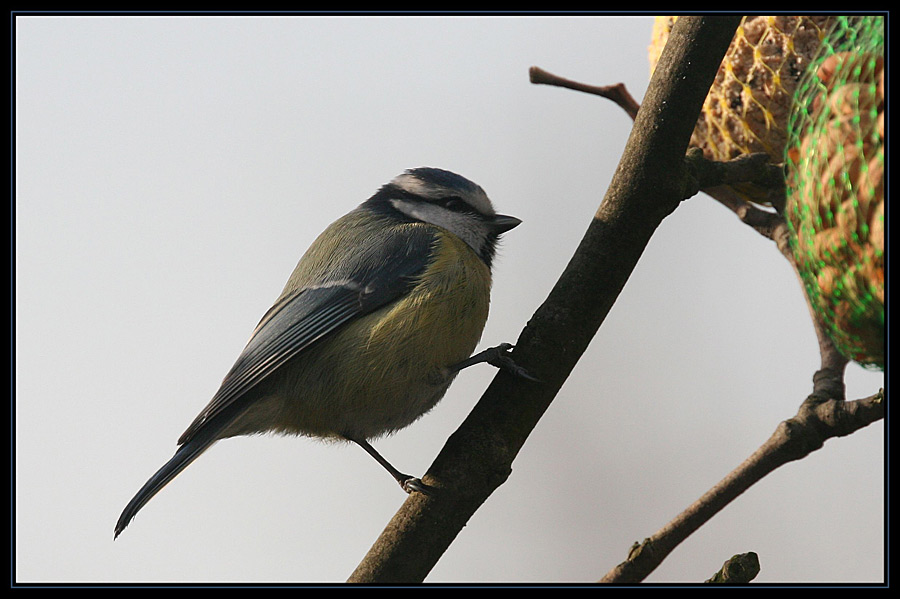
<point>456,204</point>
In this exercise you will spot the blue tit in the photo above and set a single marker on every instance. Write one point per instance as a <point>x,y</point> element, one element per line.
<point>378,317</point>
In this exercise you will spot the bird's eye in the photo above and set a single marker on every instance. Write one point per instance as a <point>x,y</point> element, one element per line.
<point>457,204</point>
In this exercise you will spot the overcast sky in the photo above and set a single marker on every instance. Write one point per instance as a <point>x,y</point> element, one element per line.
<point>169,173</point>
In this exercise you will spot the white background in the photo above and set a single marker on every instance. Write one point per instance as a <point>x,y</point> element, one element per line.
<point>171,171</point>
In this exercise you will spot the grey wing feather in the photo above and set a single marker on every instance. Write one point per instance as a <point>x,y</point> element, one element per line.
<point>301,319</point>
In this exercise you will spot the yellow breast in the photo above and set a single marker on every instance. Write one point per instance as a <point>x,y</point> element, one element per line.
<point>391,366</point>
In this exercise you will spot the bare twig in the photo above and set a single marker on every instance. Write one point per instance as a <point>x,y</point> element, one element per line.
<point>767,223</point>
<point>617,92</point>
<point>739,569</point>
<point>712,177</point>
<point>715,179</point>
<point>746,168</point>
<point>818,420</point>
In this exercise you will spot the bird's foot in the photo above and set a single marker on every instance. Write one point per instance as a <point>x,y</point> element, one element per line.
<point>411,484</point>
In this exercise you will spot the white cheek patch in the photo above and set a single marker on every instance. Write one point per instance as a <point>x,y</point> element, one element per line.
<point>468,228</point>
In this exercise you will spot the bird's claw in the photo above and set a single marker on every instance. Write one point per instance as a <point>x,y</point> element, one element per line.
<point>411,484</point>
<point>499,358</point>
<point>504,361</point>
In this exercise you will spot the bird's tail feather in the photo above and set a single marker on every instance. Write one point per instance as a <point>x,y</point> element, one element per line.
<point>187,453</point>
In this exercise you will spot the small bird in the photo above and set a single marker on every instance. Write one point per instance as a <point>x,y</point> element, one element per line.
<point>380,314</point>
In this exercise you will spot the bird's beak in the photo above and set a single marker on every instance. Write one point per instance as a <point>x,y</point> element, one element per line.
<point>502,223</point>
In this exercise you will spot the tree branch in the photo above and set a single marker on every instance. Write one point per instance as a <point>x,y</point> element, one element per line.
<point>818,420</point>
<point>617,92</point>
<point>648,184</point>
<point>746,168</point>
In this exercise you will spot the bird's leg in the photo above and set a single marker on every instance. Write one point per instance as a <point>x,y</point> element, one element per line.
<point>407,483</point>
<point>498,357</point>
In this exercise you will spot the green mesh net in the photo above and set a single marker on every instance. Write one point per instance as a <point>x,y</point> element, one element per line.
<point>747,108</point>
<point>835,165</point>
